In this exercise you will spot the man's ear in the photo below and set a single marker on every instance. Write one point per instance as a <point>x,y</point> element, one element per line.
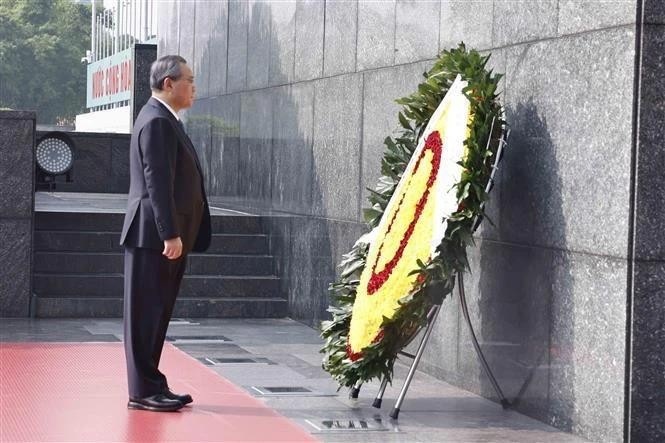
<point>167,84</point>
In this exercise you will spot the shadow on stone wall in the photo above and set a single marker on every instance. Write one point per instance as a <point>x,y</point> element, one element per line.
<point>521,286</point>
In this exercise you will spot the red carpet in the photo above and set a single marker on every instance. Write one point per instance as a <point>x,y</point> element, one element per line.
<point>69,392</point>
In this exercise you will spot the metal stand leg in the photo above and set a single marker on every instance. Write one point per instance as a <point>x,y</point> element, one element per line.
<point>379,396</point>
<point>355,390</point>
<point>434,311</point>
<point>504,402</point>
<point>431,317</point>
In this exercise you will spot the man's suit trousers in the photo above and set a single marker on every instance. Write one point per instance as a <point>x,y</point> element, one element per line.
<point>152,282</point>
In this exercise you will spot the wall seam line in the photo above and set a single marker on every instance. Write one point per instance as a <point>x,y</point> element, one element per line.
<point>630,280</point>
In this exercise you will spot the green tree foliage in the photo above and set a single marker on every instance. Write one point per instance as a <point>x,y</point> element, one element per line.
<point>41,45</point>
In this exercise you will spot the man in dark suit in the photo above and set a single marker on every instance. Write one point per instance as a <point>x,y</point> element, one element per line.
<point>167,217</point>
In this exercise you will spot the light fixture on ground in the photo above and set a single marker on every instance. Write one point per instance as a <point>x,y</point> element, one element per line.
<point>54,155</point>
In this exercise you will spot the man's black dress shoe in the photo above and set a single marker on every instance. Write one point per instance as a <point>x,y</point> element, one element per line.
<point>182,398</point>
<point>157,403</point>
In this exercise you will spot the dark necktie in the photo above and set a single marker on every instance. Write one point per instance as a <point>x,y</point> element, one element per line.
<point>191,145</point>
<point>182,126</point>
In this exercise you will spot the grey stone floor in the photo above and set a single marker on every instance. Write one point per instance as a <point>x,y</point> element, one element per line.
<point>286,354</point>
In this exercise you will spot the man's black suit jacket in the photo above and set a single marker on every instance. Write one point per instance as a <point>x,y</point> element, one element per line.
<point>167,197</point>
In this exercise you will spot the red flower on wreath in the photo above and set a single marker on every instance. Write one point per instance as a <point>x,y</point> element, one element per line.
<point>377,280</point>
<point>352,355</point>
<point>356,355</point>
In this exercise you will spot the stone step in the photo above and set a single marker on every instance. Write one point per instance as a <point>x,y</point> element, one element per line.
<point>193,286</point>
<point>104,241</point>
<point>239,244</point>
<point>246,307</point>
<point>112,222</point>
<point>113,263</point>
<point>78,269</point>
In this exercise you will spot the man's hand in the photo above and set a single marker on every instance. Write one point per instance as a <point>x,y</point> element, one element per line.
<point>172,248</point>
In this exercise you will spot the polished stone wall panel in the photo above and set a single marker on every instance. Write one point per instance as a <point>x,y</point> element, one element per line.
<point>225,146</point>
<point>168,39</point>
<point>510,314</point>
<point>92,170</point>
<point>144,56</point>
<point>587,346</point>
<point>443,347</point>
<point>337,138</point>
<point>237,45</point>
<point>650,225</point>
<point>120,165</point>
<point>15,262</point>
<point>280,234</point>
<point>344,235</point>
<point>292,148</point>
<point>306,302</point>
<point>198,125</point>
<point>17,180</point>
<point>580,16</point>
<point>282,42</point>
<point>258,44</point>
<point>647,399</point>
<point>309,31</point>
<point>469,21</point>
<point>376,34</point>
<point>648,364</point>
<point>218,46</point>
<point>200,62</point>
<point>558,357</point>
<point>551,167</point>
<point>523,20</point>
<point>654,12</point>
<point>416,30</point>
<point>314,254</point>
<point>341,22</point>
<point>187,30</point>
<point>16,167</point>
<point>255,155</point>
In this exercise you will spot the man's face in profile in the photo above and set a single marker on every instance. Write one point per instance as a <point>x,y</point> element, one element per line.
<point>183,91</point>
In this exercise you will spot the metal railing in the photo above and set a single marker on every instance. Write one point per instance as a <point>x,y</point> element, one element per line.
<point>117,28</point>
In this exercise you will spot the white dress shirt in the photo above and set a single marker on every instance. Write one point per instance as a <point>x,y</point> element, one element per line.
<point>175,114</point>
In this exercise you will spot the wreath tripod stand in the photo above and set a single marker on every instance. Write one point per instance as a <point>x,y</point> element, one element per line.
<point>431,318</point>
<point>433,314</point>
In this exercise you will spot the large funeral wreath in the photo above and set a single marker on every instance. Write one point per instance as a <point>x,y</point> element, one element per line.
<point>433,279</point>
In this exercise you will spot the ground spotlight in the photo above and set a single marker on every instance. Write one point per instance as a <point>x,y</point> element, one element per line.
<point>55,156</point>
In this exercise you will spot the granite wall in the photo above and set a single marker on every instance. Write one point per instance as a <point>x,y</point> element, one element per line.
<point>143,56</point>
<point>296,97</point>
<point>17,203</point>
<point>549,282</point>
